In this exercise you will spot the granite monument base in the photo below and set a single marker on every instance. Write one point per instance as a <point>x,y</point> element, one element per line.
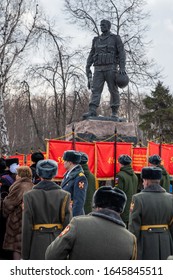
<point>102,130</point>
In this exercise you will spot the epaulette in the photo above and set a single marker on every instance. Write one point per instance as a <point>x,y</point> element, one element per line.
<point>81,174</point>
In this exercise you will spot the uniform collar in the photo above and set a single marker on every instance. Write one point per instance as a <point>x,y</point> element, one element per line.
<point>154,188</point>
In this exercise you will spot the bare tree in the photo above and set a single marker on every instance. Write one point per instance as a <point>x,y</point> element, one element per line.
<point>17,25</point>
<point>60,74</point>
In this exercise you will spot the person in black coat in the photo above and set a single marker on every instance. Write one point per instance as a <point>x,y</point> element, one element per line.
<point>35,157</point>
<point>8,172</point>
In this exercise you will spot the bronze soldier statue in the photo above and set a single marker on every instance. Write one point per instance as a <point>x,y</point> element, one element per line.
<point>107,55</point>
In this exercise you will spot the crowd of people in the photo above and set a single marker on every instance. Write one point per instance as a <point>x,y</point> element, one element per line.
<point>44,219</point>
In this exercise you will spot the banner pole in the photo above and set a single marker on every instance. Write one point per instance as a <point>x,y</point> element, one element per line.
<point>160,146</point>
<point>73,139</point>
<point>115,155</point>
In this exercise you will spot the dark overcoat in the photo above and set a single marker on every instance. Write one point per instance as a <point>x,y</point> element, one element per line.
<point>46,213</point>
<point>100,235</point>
<point>76,184</point>
<point>151,221</point>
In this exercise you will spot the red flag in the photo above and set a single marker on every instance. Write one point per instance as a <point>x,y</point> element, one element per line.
<point>55,151</point>
<point>89,149</point>
<point>105,158</point>
<point>167,157</point>
<point>153,148</point>
<point>139,159</point>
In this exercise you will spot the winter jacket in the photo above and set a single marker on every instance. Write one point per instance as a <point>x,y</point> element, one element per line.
<point>127,181</point>
<point>165,181</point>
<point>91,188</point>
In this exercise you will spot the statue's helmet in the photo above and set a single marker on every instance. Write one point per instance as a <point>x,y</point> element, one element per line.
<point>122,80</point>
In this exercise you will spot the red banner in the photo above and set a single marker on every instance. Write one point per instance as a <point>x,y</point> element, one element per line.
<point>167,157</point>
<point>21,158</point>
<point>55,151</point>
<point>153,148</point>
<point>89,149</point>
<point>166,154</point>
<point>139,159</point>
<point>105,158</point>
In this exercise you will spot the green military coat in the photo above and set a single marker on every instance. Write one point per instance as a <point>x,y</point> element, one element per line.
<point>91,188</point>
<point>46,205</point>
<point>165,180</point>
<point>98,236</point>
<point>127,181</point>
<point>151,221</point>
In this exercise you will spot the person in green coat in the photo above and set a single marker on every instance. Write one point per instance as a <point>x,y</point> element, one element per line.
<point>127,181</point>
<point>91,183</point>
<point>101,235</point>
<point>46,212</point>
<point>151,218</point>
<point>155,160</point>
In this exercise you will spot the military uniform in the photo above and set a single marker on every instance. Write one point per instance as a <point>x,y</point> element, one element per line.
<point>127,181</point>
<point>151,221</point>
<point>91,188</point>
<point>76,184</point>
<point>165,181</point>
<point>100,235</point>
<point>46,214</point>
<point>155,160</point>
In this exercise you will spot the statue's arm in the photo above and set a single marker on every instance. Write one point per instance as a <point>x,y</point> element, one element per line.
<point>90,59</point>
<point>121,55</point>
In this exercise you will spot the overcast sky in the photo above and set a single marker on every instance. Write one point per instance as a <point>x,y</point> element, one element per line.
<point>161,32</point>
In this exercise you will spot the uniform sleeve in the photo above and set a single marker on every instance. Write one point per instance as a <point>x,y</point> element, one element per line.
<point>121,52</point>
<point>66,213</point>
<point>135,217</point>
<point>134,253</point>
<point>27,225</point>
<point>79,195</point>
<point>120,182</point>
<point>59,249</point>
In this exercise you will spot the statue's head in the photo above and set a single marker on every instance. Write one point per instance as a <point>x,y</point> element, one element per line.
<point>105,25</point>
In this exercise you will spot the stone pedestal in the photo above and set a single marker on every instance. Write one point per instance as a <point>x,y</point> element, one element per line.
<point>102,130</point>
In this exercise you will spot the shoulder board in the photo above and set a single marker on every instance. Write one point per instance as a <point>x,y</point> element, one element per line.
<point>81,174</point>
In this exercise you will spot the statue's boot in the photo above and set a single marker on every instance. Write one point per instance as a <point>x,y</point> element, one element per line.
<point>114,115</point>
<point>91,113</point>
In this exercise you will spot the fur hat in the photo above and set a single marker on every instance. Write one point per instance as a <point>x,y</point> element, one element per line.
<point>73,156</point>
<point>152,173</point>
<point>84,158</point>
<point>124,159</point>
<point>2,163</point>
<point>35,157</point>
<point>155,159</point>
<point>108,197</point>
<point>46,169</point>
<point>10,161</point>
